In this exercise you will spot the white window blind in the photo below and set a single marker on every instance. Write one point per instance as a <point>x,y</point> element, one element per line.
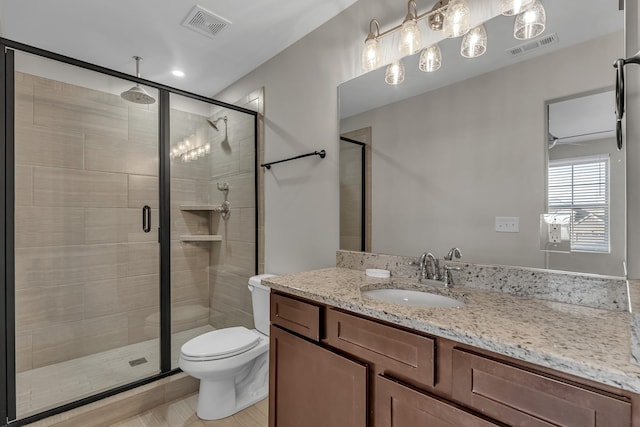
<point>578,188</point>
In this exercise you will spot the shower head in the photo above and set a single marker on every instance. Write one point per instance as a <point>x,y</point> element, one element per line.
<point>213,123</point>
<point>136,94</point>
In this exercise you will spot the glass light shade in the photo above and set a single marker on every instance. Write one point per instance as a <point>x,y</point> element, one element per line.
<point>410,38</point>
<point>394,75</point>
<point>474,43</point>
<point>456,19</point>
<point>370,55</point>
<point>514,7</point>
<point>430,59</point>
<point>531,22</point>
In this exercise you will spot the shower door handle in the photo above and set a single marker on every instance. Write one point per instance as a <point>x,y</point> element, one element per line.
<point>146,219</point>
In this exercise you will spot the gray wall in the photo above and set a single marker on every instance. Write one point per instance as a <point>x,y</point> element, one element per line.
<point>301,114</point>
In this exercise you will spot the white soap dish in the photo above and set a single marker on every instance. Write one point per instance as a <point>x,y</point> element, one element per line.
<point>376,272</point>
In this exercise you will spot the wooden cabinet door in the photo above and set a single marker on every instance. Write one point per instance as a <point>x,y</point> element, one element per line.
<point>311,386</point>
<point>522,398</point>
<point>397,405</point>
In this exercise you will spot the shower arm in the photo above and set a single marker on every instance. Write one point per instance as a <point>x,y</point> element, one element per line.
<point>137,58</point>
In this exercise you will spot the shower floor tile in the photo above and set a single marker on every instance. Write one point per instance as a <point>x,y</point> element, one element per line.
<point>54,385</point>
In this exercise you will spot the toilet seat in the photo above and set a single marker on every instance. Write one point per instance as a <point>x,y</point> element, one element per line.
<point>220,344</point>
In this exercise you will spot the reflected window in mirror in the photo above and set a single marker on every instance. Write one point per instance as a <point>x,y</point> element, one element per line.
<point>578,194</point>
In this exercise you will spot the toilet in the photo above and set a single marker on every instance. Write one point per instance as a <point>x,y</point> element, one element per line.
<point>232,364</point>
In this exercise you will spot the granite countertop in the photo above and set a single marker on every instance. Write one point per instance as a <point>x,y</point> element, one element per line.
<point>587,342</point>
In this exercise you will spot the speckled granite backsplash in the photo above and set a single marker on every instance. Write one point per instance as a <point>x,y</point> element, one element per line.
<point>605,292</point>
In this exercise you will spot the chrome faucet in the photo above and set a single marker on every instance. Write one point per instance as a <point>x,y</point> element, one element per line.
<point>435,267</point>
<point>453,252</point>
<point>433,262</point>
<point>423,266</point>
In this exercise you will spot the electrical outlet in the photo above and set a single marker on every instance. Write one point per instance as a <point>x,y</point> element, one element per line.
<point>507,224</point>
<point>555,235</point>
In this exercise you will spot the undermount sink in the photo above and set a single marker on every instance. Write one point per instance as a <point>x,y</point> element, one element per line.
<point>412,298</point>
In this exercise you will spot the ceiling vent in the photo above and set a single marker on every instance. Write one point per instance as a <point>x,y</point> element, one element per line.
<point>205,22</point>
<point>527,47</point>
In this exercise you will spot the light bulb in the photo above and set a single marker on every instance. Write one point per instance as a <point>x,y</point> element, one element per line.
<point>474,43</point>
<point>514,7</point>
<point>371,53</point>
<point>394,74</point>
<point>430,59</point>
<point>410,37</point>
<point>530,23</point>
<point>456,19</point>
<point>207,147</point>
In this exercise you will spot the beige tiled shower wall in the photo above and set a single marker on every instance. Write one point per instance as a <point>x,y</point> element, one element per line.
<point>86,275</point>
<point>189,260</point>
<point>233,259</point>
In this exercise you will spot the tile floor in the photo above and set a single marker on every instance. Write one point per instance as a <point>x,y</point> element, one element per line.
<point>182,413</point>
<point>54,385</point>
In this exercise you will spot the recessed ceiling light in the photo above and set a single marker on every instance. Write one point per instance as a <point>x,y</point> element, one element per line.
<point>178,73</point>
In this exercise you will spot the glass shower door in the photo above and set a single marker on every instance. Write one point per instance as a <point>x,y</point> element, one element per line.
<point>86,234</point>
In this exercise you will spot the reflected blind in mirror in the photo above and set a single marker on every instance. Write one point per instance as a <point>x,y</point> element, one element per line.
<point>578,190</point>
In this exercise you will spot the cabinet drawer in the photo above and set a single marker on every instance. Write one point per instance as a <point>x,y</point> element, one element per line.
<point>520,397</point>
<point>401,354</point>
<point>297,316</point>
<point>400,406</point>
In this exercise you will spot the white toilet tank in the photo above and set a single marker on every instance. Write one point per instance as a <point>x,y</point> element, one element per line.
<point>260,300</point>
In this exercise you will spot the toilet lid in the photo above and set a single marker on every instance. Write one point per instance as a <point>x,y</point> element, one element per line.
<point>221,343</point>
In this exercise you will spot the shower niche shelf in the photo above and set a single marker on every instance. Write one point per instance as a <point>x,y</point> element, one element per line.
<point>200,238</point>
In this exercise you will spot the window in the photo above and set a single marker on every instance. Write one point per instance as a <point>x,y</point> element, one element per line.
<point>578,189</point>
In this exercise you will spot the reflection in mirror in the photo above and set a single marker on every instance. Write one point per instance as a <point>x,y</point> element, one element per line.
<point>457,149</point>
<point>352,196</point>
<point>586,182</point>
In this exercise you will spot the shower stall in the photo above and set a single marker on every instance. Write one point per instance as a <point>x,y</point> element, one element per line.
<point>128,228</point>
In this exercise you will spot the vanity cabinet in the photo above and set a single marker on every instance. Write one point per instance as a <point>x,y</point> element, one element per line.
<point>334,368</point>
<point>310,385</point>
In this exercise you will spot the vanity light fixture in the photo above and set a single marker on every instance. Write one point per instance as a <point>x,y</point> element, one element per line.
<point>474,43</point>
<point>430,59</point>
<point>457,19</point>
<point>514,7</point>
<point>531,22</point>
<point>371,54</point>
<point>453,18</point>
<point>410,36</point>
<point>394,74</point>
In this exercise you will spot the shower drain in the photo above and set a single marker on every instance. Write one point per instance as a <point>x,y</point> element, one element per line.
<point>136,362</point>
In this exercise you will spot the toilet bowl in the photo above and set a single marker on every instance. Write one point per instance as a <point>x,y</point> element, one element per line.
<point>232,364</point>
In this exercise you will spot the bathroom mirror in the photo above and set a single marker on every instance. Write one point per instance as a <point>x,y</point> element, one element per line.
<point>459,156</point>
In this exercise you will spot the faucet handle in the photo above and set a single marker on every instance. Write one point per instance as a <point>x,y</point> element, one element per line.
<point>447,279</point>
